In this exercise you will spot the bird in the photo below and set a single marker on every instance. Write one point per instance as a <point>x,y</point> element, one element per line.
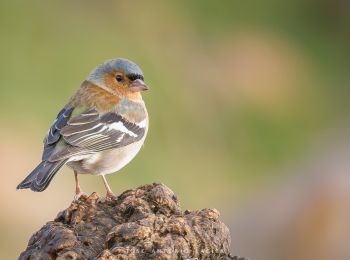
<point>100,129</point>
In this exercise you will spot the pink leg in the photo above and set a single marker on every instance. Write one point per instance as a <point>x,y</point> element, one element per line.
<point>78,190</point>
<point>110,193</point>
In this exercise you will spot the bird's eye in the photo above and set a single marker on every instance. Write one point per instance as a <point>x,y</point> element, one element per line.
<point>119,78</point>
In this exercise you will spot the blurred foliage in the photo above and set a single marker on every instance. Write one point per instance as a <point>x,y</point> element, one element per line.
<point>239,89</point>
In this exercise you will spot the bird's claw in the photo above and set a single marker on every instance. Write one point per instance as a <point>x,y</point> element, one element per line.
<point>111,196</point>
<point>79,194</point>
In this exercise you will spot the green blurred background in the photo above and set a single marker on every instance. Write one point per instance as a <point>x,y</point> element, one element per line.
<point>248,100</point>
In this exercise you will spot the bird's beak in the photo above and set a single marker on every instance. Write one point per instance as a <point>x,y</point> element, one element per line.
<point>138,85</point>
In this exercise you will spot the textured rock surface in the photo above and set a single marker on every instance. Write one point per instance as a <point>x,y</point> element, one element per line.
<point>142,223</point>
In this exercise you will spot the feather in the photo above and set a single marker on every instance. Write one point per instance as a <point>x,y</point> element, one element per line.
<point>108,131</point>
<point>41,176</point>
<point>60,121</point>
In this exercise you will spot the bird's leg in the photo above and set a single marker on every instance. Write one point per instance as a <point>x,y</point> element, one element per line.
<point>78,190</point>
<point>110,193</point>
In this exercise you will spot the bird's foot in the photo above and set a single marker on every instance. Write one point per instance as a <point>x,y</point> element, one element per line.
<point>79,194</point>
<point>110,195</point>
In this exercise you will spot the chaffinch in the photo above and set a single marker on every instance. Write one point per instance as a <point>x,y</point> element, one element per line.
<point>99,131</point>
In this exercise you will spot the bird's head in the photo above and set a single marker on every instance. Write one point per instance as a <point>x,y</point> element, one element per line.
<point>119,76</point>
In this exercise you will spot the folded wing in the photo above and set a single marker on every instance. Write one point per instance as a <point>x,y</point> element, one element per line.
<point>91,132</point>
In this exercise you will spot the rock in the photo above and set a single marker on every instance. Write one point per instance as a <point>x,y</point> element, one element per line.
<point>142,223</point>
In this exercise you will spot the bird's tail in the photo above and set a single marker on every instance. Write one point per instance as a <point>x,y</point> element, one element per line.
<point>41,176</point>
